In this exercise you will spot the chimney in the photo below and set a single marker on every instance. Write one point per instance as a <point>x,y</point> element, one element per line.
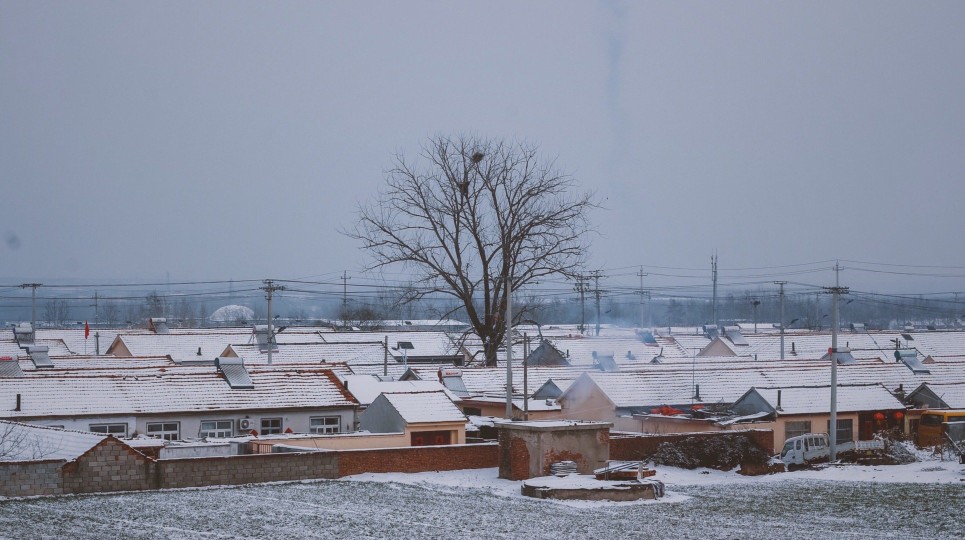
<point>697,392</point>
<point>18,403</point>
<point>792,348</point>
<point>779,400</point>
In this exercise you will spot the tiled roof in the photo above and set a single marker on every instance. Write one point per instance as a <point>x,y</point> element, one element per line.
<point>418,407</point>
<point>951,393</point>
<point>24,442</point>
<point>817,399</point>
<point>366,388</point>
<point>349,353</point>
<point>184,389</point>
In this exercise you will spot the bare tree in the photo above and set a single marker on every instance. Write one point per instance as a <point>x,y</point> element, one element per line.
<point>16,443</point>
<point>56,311</point>
<point>110,313</point>
<point>468,214</point>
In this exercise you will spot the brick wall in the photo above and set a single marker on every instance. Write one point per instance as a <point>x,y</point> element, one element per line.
<point>246,469</point>
<point>418,459</point>
<point>109,466</point>
<point>634,447</point>
<point>25,478</point>
<point>113,466</point>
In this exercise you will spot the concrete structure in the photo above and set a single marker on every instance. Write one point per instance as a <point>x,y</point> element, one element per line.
<point>527,449</point>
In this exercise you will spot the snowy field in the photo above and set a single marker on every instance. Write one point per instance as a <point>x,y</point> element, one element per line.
<point>917,501</point>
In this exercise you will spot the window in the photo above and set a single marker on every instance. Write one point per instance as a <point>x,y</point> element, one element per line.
<point>216,429</point>
<point>270,426</point>
<point>117,430</point>
<point>472,411</point>
<point>795,429</point>
<point>845,430</point>
<point>169,431</point>
<point>325,424</point>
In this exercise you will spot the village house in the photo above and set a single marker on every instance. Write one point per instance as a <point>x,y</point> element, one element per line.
<point>426,418</point>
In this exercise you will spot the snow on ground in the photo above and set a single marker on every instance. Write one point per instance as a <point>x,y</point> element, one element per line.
<point>923,472</point>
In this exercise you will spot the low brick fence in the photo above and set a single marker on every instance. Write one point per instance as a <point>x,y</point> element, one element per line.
<point>418,459</point>
<point>635,447</point>
<point>114,466</point>
<point>246,469</point>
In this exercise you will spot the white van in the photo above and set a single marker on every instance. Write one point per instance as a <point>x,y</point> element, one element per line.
<point>810,447</point>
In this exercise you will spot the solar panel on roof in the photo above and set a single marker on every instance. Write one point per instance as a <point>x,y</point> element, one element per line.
<point>646,335</point>
<point>235,373</point>
<point>733,333</point>
<point>909,357</point>
<point>908,337</point>
<point>9,367</point>
<point>38,355</point>
<point>711,331</point>
<point>24,334</point>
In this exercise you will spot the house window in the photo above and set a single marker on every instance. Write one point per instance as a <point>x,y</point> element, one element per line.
<point>795,429</point>
<point>325,424</point>
<point>270,426</point>
<point>845,430</point>
<point>117,430</point>
<point>169,431</point>
<point>216,429</point>
<point>472,411</point>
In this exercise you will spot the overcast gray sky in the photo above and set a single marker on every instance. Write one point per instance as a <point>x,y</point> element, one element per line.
<point>220,140</point>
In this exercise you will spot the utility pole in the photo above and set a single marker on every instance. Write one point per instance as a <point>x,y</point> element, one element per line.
<point>345,278</point>
<point>596,292</point>
<point>509,347</point>
<point>525,377</point>
<point>836,291</point>
<point>713,270</point>
<point>33,304</point>
<point>755,302</point>
<point>641,274</point>
<point>781,296</point>
<point>582,286</point>
<point>269,289</point>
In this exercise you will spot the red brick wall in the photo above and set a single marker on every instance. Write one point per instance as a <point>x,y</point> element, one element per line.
<point>639,447</point>
<point>418,459</point>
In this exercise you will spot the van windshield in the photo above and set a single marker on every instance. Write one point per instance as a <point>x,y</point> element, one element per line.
<point>788,446</point>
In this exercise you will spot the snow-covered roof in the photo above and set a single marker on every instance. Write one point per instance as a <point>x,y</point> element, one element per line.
<point>366,388</point>
<point>365,353</point>
<point>25,442</point>
<point>420,407</point>
<point>953,394</point>
<point>817,399</point>
<point>184,389</point>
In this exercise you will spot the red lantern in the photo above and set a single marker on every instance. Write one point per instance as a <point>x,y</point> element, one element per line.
<point>899,416</point>
<point>879,416</point>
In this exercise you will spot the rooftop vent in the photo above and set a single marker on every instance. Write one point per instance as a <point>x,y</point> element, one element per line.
<point>234,372</point>
<point>10,367</point>
<point>24,334</point>
<point>38,355</point>
<point>733,333</point>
